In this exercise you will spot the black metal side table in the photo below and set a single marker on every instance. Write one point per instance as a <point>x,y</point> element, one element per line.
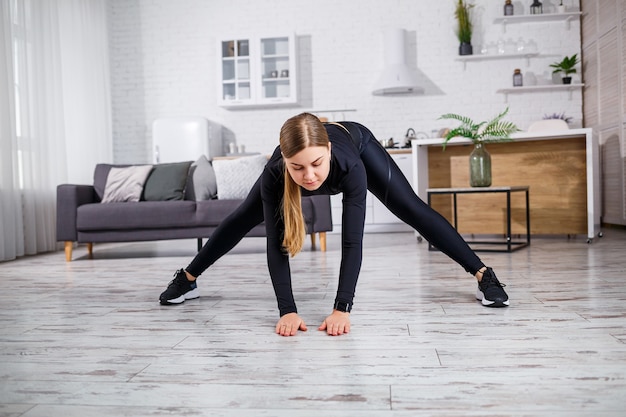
<point>510,244</point>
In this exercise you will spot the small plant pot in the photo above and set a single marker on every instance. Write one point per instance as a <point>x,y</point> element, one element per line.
<point>465,48</point>
<point>567,80</point>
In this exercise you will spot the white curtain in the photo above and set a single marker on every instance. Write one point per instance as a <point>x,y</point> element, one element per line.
<point>54,112</point>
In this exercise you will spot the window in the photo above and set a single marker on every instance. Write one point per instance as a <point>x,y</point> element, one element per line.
<point>19,44</point>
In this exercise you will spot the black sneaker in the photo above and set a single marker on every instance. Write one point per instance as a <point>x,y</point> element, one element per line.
<point>179,290</point>
<point>490,291</point>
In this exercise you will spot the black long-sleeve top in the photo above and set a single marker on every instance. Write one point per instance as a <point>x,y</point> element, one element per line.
<point>347,175</point>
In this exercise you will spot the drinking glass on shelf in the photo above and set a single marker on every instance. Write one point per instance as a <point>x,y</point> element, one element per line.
<point>501,46</point>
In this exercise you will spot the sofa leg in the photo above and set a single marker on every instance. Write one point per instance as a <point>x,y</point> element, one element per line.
<point>323,241</point>
<point>68,250</point>
<point>90,250</point>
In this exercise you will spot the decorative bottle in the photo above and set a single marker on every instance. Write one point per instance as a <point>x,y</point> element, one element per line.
<point>518,80</point>
<point>508,8</point>
<point>536,7</point>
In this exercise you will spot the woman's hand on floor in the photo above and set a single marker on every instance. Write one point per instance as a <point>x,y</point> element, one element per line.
<point>336,324</point>
<point>289,324</point>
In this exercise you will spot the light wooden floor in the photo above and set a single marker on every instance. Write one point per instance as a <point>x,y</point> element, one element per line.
<point>88,338</point>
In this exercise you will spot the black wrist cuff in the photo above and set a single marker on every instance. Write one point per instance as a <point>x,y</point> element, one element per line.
<point>284,311</point>
<point>343,306</point>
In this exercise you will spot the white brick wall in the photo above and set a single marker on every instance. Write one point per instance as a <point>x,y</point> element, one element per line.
<point>164,64</point>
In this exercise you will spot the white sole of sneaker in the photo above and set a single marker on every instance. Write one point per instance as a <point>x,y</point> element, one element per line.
<point>481,297</point>
<point>178,300</point>
<point>190,295</point>
<point>195,293</point>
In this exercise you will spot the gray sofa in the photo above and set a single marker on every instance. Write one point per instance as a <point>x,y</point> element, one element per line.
<point>82,217</point>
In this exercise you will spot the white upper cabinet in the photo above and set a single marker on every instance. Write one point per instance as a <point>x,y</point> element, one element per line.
<point>258,72</point>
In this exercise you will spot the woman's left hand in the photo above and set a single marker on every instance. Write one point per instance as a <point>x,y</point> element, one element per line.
<point>336,324</point>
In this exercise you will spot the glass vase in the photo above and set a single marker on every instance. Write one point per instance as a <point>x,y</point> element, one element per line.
<point>480,166</point>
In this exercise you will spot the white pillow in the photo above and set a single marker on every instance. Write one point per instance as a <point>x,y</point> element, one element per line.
<point>125,184</point>
<point>235,177</point>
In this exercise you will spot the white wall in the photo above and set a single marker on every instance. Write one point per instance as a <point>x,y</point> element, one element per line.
<point>164,64</point>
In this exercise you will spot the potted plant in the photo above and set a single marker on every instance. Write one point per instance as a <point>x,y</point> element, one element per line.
<point>462,12</point>
<point>566,66</point>
<point>558,116</point>
<point>494,130</point>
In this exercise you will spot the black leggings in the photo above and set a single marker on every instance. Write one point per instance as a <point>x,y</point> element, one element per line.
<point>230,231</point>
<point>384,180</point>
<point>387,182</point>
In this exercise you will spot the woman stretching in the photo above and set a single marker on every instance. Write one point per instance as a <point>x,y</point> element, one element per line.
<point>316,158</point>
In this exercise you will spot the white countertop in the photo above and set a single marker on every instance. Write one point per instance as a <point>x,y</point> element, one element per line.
<point>519,136</point>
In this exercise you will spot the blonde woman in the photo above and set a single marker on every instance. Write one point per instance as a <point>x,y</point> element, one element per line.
<point>317,158</point>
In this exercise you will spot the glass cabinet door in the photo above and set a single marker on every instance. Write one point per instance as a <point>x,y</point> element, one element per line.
<point>276,68</point>
<point>236,85</point>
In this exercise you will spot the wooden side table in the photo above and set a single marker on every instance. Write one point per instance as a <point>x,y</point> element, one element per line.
<point>509,243</point>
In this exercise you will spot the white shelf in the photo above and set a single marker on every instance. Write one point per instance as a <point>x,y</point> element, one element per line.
<point>485,57</point>
<point>275,56</point>
<point>546,17</point>
<point>275,79</point>
<point>540,88</point>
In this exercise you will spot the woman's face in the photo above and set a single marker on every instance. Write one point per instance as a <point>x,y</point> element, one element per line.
<point>310,167</point>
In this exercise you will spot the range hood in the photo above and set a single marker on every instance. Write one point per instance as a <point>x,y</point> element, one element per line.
<point>397,77</point>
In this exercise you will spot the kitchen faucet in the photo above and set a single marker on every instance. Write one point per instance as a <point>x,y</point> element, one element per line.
<point>410,135</point>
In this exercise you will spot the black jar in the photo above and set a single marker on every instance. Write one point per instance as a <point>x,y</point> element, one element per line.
<point>508,8</point>
<point>518,80</point>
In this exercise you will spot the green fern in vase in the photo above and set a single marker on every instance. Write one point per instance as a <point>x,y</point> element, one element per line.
<point>494,130</point>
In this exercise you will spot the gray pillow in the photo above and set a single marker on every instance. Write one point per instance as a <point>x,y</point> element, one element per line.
<point>201,183</point>
<point>167,182</point>
<point>235,177</point>
<point>125,184</point>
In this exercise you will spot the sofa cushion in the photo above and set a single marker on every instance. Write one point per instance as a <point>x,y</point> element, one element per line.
<point>100,175</point>
<point>125,184</point>
<point>235,177</point>
<point>212,212</point>
<point>166,182</point>
<point>201,183</point>
<point>139,215</point>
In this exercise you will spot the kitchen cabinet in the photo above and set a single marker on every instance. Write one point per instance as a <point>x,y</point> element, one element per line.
<point>257,71</point>
<point>378,218</point>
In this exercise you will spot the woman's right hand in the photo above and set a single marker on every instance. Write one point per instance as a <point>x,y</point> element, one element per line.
<point>289,324</point>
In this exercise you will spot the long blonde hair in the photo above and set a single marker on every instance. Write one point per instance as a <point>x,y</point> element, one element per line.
<point>297,133</point>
